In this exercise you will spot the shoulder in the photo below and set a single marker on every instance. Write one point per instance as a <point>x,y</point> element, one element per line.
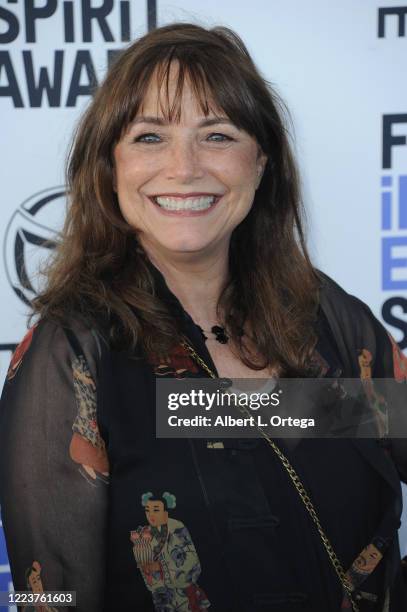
<point>341,302</point>
<point>347,309</point>
<point>48,343</point>
<point>356,330</point>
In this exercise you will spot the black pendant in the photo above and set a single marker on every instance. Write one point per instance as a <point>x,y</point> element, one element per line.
<point>220,334</point>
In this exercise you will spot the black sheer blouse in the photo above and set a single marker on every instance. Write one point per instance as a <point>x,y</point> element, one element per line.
<point>92,502</point>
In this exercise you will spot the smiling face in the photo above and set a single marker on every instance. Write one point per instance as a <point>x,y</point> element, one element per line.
<point>185,186</point>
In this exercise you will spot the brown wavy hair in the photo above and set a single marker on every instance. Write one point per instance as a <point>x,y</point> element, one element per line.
<point>100,272</point>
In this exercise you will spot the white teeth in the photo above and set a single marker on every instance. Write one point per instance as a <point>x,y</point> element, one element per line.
<point>172,203</point>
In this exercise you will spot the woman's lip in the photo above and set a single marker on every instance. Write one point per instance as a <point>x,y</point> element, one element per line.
<point>185,213</point>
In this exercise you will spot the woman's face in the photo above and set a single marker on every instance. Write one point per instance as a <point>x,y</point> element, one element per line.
<point>185,186</point>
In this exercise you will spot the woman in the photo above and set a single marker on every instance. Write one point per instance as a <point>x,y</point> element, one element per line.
<point>183,255</point>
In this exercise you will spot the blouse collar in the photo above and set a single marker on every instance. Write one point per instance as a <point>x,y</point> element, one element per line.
<point>187,325</point>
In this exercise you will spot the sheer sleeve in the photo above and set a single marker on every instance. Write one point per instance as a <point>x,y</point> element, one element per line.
<point>368,350</point>
<point>53,466</point>
<point>379,356</point>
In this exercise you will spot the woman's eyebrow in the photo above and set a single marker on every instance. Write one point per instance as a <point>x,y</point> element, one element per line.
<point>159,121</point>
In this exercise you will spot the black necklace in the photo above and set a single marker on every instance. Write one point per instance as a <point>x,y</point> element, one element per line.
<point>219,332</point>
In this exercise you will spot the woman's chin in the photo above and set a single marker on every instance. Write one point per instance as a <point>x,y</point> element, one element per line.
<point>190,250</point>
<point>187,247</point>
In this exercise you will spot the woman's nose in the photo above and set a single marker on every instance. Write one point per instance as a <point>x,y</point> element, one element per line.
<point>184,162</point>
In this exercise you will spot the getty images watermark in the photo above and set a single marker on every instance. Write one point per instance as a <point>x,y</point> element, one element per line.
<point>241,403</point>
<point>287,408</point>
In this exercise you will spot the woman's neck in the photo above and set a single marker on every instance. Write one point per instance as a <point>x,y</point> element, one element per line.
<point>197,283</point>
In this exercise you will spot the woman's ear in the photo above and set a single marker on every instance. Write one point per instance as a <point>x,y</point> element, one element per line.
<point>114,180</point>
<point>261,164</point>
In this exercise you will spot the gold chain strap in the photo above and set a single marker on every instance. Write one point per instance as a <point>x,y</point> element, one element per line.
<point>299,487</point>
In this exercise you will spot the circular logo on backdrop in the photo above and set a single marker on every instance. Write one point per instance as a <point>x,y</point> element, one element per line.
<point>31,236</point>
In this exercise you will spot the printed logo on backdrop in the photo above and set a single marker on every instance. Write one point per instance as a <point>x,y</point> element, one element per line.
<point>71,71</point>
<point>30,237</point>
<point>393,183</point>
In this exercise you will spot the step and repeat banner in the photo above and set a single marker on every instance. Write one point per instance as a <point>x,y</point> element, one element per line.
<point>340,67</point>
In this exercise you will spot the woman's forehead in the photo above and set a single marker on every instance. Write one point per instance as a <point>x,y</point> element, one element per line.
<point>167,94</point>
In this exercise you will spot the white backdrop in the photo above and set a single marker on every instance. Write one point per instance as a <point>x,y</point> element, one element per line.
<point>343,79</point>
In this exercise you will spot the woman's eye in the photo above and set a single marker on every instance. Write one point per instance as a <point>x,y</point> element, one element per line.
<point>150,137</point>
<point>153,138</point>
<point>218,137</point>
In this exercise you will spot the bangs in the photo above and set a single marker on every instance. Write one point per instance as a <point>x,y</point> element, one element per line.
<point>170,105</point>
<point>219,86</point>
